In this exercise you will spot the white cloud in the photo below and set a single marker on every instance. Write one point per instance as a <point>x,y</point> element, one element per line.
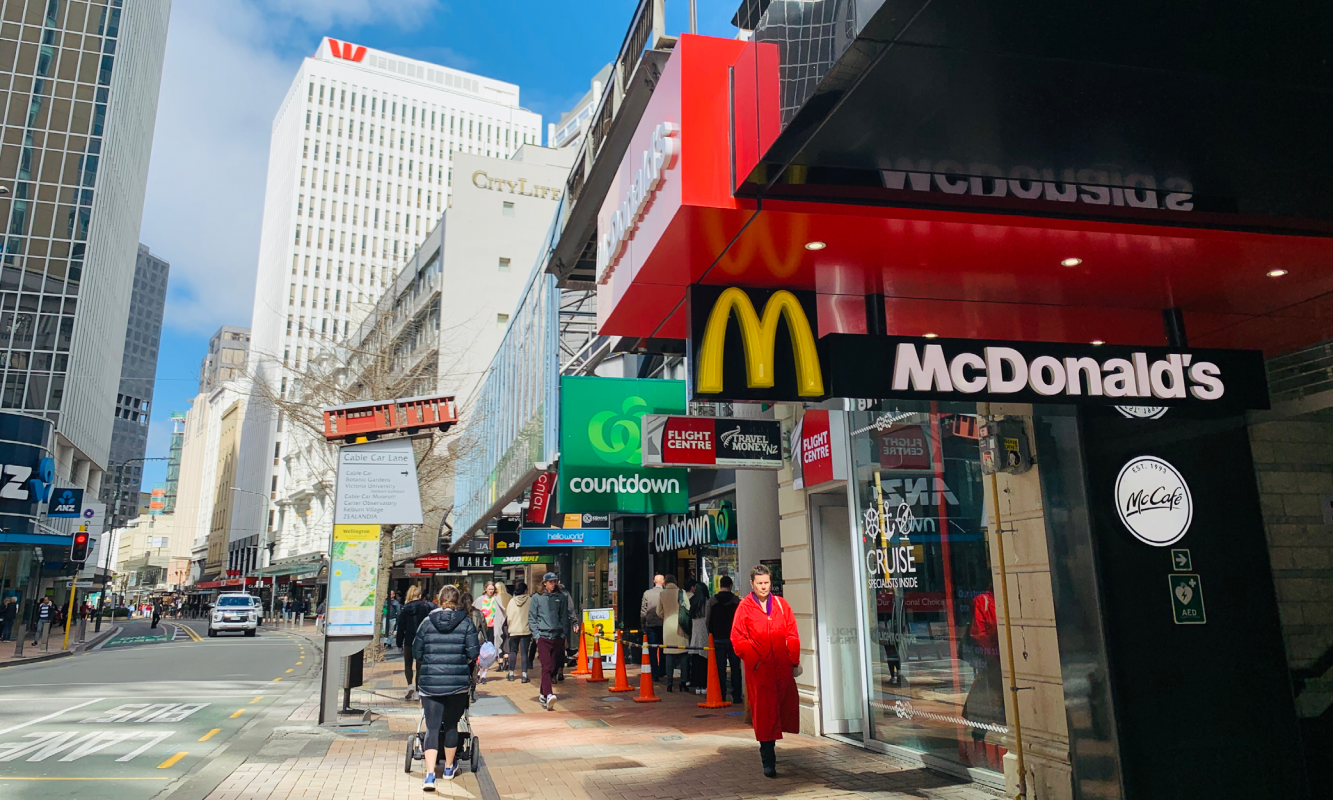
<point>228,66</point>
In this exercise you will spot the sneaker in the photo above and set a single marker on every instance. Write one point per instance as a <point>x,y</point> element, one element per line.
<point>525,679</point>
<point>542,699</point>
<point>450,772</point>
<point>509,677</point>
<point>550,702</point>
<point>428,785</point>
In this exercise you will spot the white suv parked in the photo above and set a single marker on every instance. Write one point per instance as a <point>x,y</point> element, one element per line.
<point>235,612</point>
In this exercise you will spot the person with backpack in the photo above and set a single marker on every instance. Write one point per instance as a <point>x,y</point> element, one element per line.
<point>673,606</point>
<point>718,615</point>
<point>765,637</point>
<point>446,645</point>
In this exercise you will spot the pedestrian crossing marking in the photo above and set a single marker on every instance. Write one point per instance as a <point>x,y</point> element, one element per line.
<point>171,762</point>
<point>238,713</point>
<point>210,734</point>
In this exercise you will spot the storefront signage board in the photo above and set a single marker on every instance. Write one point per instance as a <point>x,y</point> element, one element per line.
<point>377,484</point>
<point>759,345</point>
<point>505,541</point>
<point>65,504</point>
<point>513,559</point>
<point>355,559</point>
<point>433,563</point>
<point>467,561</point>
<point>565,537</point>
<point>712,442</point>
<point>700,529</point>
<point>601,467</point>
<point>539,498</point>
<point>821,442</point>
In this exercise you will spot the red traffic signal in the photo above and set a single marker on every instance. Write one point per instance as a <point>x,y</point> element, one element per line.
<point>78,551</point>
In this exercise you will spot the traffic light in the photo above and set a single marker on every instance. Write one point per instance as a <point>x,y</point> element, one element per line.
<point>78,551</point>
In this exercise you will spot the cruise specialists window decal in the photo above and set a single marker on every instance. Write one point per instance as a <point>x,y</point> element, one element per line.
<point>892,367</point>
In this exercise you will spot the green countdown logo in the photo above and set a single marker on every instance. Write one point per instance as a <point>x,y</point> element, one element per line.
<point>614,435</point>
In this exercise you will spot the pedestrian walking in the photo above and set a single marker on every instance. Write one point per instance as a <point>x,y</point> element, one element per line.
<point>652,623</point>
<point>392,608</point>
<point>520,633</point>
<point>765,637</point>
<point>286,609</point>
<point>46,612</point>
<point>698,638</point>
<point>446,645</point>
<point>414,612</point>
<point>571,626</point>
<point>488,604</point>
<point>8,613</point>
<point>673,606</point>
<point>501,626</point>
<point>157,615</point>
<point>319,616</point>
<point>548,620</point>
<point>718,616</point>
<point>468,604</point>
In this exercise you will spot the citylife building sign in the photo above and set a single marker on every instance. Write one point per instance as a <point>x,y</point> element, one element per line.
<point>777,359</point>
<point>660,157</point>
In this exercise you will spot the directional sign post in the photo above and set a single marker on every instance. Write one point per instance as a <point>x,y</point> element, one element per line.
<point>377,484</point>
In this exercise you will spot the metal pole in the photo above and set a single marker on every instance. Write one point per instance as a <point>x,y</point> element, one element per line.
<point>1008,628</point>
<point>694,17</point>
<point>109,519</point>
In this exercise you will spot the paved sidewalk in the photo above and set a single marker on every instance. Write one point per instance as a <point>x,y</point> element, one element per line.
<point>595,745</point>
<point>50,649</point>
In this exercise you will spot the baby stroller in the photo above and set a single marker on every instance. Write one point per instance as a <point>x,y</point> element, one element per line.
<point>469,746</point>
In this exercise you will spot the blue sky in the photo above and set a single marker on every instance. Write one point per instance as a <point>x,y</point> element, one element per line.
<point>228,65</point>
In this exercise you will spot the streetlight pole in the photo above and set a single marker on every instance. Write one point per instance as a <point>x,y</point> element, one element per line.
<point>109,520</point>
<point>263,548</point>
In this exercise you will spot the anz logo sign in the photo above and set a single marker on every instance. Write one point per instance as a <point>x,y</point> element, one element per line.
<point>17,482</point>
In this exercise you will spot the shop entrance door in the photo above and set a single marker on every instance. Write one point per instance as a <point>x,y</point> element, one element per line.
<point>842,701</point>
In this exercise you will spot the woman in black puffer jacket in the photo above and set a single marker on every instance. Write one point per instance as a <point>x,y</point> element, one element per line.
<point>446,646</point>
<point>409,619</point>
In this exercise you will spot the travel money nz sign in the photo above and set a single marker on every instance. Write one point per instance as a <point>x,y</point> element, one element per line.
<point>601,461</point>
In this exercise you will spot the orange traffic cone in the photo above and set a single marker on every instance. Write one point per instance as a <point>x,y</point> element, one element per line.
<point>646,694</point>
<point>622,679</point>
<point>581,668</point>
<point>597,676</point>
<point>714,688</point>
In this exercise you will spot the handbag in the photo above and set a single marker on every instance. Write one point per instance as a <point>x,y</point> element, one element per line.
<point>683,618</point>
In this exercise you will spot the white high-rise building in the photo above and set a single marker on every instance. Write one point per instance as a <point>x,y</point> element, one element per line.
<point>359,173</point>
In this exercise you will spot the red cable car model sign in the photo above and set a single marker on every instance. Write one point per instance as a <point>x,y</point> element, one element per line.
<point>375,418</point>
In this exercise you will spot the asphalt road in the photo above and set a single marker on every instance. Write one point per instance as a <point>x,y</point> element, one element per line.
<point>145,714</point>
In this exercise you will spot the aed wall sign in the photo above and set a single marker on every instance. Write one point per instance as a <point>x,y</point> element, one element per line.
<point>760,345</point>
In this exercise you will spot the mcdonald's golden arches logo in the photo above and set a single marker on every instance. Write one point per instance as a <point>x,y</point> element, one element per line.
<point>759,337</point>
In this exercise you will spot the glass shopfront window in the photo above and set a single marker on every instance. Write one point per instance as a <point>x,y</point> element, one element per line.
<point>932,646</point>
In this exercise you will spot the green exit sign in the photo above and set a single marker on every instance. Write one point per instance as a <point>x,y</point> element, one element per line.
<point>1187,599</point>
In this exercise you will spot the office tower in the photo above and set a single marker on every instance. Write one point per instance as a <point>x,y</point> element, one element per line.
<point>174,460</point>
<point>228,353</point>
<point>574,123</point>
<point>138,366</point>
<point>359,173</point>
<point>80,90</point>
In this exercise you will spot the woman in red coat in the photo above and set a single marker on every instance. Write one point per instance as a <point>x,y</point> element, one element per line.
<point>764,636</point>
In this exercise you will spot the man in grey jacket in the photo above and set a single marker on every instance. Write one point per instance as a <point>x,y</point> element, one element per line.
<point>652,623</point>
<point>549,620</point>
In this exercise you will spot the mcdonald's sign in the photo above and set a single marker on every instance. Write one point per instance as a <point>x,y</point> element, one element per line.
<point>754,344</point>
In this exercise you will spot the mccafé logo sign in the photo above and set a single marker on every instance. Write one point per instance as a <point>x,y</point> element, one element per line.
<point>759,345</point>
<point>654,163</point>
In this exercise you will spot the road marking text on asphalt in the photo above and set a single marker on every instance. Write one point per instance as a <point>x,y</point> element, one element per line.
<point>79,744</point>
<point>49,716</point>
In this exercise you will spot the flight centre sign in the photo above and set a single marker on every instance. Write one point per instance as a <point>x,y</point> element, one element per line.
<point>760,345</point>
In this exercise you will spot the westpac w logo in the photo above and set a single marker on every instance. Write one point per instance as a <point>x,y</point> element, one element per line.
<point>346,50</point>
<point>760,345</point>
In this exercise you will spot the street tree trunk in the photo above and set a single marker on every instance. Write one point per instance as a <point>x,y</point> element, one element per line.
<point>375,652</point>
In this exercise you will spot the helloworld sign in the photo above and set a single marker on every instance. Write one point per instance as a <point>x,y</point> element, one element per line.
<point>601,459</point>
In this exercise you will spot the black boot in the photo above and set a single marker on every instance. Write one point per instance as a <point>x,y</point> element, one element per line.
<point>768,755</point>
